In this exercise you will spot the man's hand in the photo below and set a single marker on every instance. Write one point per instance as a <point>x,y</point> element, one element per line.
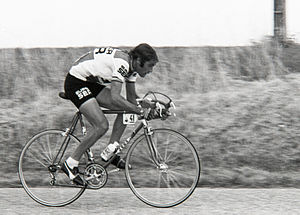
<point>146,103</point>
<point>153,114</point>
<point>150,114</point>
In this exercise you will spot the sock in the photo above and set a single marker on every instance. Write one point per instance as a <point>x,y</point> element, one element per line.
<point>72,163</point>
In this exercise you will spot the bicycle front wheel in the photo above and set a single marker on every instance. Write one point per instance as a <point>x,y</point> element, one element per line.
<point>165,168</point>
<point>41,177</point>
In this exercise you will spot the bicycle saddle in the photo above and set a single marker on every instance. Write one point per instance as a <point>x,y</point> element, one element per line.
<point>63,95</point>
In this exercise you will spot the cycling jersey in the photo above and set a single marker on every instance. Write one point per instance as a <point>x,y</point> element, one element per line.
<point>103,65</point>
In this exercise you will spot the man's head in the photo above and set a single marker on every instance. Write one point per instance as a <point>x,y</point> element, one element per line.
<point>144,59</point>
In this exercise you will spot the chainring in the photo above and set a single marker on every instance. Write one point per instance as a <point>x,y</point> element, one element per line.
<point>95,176</point>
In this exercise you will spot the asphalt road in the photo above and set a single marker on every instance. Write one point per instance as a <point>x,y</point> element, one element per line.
<point>122,201</point>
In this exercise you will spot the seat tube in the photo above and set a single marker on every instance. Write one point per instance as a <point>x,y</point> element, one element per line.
<point>67,138</point>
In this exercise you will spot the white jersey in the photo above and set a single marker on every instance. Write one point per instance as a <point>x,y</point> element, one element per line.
<point>103,65</point>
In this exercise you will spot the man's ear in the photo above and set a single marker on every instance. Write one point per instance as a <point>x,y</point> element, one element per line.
<point>139,62</point>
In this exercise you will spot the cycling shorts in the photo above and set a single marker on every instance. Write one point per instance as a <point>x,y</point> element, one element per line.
<point>79,91</point>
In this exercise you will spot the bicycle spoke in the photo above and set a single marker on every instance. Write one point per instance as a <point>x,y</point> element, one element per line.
<point>174,181</point>
<point>47,156</point>
<point>178,169</point>
<point>182,175</point>
<point>49,148</point>
<point>144,157</point>
<point>37,160</point>
<point>159,180</point>
<point>43,149</point>
<point>169,156</point>
<point>166,181</point>
<point>166,151</point>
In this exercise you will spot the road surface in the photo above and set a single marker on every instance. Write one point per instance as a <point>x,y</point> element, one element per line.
<point>122,201</point>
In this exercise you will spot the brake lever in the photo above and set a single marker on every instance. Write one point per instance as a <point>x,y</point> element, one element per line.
<point>173,105</point>
<point>159,107</point>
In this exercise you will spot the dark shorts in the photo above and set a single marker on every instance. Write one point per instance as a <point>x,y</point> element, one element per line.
<point>79,91</point>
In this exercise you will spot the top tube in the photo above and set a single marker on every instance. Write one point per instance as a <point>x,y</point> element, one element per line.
<point>117,112</point>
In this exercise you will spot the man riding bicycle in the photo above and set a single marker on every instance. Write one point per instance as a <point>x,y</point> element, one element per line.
<point>86,85</point>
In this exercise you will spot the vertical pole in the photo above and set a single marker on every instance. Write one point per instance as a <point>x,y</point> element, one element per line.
<point>280,20</point>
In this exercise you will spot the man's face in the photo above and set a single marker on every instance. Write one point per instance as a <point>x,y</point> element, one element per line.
<point>146,68</point>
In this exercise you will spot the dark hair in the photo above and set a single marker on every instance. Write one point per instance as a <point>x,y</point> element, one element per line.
<point>145,52</point>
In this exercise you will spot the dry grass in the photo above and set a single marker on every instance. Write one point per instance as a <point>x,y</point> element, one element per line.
<point>246,136</point>
<point>238,105</point>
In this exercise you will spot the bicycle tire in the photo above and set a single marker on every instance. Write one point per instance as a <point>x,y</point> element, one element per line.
<point>168,190</point>
<point>34,160</point>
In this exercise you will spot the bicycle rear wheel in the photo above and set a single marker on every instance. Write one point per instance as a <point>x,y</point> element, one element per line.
<point>41,178</point>
<point>170,181</point>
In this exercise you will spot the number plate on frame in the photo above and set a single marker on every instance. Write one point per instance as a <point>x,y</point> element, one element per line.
<point>129,118</point>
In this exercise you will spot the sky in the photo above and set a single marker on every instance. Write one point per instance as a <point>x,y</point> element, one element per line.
<point>76,23</point>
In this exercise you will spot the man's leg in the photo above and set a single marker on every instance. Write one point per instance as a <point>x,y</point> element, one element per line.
<point>104,100</point>
<point>93,113</point>
<point>91,110</point>
<point>118,129</point>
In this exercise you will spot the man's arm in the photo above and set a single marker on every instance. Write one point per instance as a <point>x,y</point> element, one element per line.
<point>131,92</point>
<point>120,101</point>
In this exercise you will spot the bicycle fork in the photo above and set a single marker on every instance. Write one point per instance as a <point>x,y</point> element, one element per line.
<point>152,146</point>
<point>150,143</point>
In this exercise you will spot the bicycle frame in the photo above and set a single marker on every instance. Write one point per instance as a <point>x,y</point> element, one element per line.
<point>78,117</point>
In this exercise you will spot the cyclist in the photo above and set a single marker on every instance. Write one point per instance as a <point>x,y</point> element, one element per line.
<point>87,86</point>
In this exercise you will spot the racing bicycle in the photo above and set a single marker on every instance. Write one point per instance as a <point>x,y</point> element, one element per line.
<point>162,166</point>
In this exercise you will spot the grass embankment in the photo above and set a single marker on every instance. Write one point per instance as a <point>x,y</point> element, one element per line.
<point>238,105</point>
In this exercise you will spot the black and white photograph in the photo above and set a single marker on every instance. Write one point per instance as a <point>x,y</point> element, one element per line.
<point>150,107</point>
